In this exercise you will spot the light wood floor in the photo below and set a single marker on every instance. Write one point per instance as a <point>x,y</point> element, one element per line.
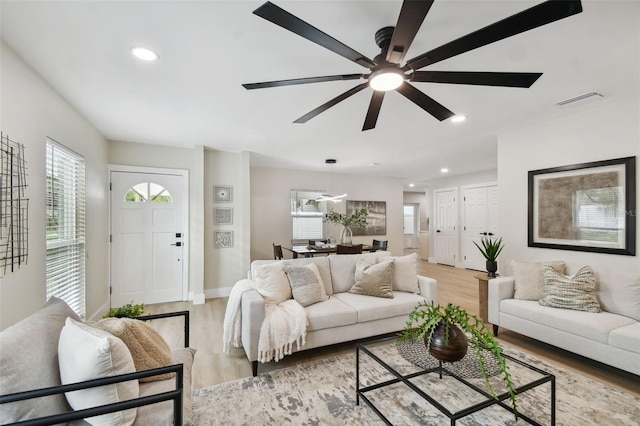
<point>455,286</point>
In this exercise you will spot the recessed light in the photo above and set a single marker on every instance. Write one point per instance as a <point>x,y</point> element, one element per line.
<point>444,170</point>
<point>144,54</point>
<point>458,118</point>
<point>411,185</point>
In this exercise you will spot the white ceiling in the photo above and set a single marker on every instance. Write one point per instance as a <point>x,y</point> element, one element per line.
<point>193,94</point>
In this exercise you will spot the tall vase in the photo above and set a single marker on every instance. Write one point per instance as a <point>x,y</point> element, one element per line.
<point>346,236</point>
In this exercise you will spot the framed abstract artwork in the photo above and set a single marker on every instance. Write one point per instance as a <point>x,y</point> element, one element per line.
<point>223,216</point>
<point>584,207</point>
<point>223,239</point>
<point>376,219</point>
<point>223,194</point>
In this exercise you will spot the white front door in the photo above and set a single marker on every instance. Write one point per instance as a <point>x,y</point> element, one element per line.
<point>148,217</point>
<point>446,233</point>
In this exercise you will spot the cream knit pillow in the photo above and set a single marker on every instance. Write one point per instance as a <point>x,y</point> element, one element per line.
<point>529,278</point>
<point>570,292</point>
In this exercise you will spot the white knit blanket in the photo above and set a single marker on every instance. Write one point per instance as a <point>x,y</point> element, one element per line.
<point>284,324</point>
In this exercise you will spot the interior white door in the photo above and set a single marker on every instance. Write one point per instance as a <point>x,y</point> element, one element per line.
<point>480,220</point>
<point>446,232</point>
<point>147,237</point>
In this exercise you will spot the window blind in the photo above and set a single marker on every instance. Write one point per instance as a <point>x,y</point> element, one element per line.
<point>65,214</point>
<point>307,216</point>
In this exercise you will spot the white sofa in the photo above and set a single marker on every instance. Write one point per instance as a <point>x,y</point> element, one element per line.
<point>344,316</point>
<point>611,336</point>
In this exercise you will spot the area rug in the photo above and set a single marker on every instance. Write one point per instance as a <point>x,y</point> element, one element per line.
<point>323,393</point>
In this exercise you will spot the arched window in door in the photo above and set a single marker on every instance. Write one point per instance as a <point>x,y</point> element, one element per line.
<point>148,191</point>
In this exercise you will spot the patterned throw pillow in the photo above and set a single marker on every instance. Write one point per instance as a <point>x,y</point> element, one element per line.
<point>570,292</point>
<point>373,279</point>
<point>306,283</point>
<point>529,278</point>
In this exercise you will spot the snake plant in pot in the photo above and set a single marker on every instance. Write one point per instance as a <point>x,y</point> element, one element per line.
<point>445,330</point>
<point>490,250</point>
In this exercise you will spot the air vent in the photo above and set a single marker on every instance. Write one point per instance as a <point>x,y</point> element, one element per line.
<point>580,98</point>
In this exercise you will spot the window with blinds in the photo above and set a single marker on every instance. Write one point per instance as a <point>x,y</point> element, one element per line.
<point>65,213</point>
<point>307,216</point>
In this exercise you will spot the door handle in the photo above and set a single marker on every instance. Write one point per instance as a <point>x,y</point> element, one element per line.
<point>438,230</point>
<point>178,244</point>
<point>490,233</point>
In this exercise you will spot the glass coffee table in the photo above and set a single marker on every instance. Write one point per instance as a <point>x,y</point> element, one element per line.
<point>403,382</point>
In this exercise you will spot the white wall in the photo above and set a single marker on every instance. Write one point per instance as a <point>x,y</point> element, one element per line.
<point>31,112</point>
<point>271,217</point>
<point>610,130</point>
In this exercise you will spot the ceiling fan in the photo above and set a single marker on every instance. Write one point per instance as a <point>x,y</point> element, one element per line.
<point>386,69</point>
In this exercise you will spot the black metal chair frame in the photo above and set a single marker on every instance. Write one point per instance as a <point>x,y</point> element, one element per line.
<point>277,252</point>
<point>345,249</point>
<point>378,245</point>
<point>174,395</point>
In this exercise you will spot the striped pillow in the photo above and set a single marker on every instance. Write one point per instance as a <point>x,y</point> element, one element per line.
<point>576,292</point>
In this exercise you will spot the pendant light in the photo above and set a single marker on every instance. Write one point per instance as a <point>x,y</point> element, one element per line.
<point>330,197</point>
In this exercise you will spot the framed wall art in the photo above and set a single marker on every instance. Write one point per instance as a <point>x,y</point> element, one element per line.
<point>223,239</point>
<point>223,194</point>
<point>584,207</point>
<point>376,220</point>
<point>223,216</point>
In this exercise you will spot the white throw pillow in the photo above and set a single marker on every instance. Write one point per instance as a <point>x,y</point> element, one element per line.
<point>272,283</point>
<point>529,278</point>
<point>86,352</point>
<point>405,274</point>
<point>306,284</point>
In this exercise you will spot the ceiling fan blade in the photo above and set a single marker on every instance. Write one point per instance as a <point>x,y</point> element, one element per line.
<point>374,110</point>
<point>504,79</point>
<point>412,15</point>
<point>322,108</point>
<point>307,80</point>
<point>286,20</point>
<point>542,14</point>
<point>425,102</point>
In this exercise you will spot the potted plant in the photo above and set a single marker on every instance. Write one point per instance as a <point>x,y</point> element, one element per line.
<point>490,250</point>
<point>127,311</point>
<point>441,326</point>
<point>357,219</point>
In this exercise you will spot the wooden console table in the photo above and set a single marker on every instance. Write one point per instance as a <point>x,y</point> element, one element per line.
<point>483,296</point>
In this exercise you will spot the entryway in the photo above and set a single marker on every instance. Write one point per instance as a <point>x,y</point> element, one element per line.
<point>149,224</point>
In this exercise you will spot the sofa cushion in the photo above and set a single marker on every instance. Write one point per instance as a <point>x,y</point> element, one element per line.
<point>330,313</point>
<point>322,262</point>
<point>405,275</point>
<point>147,347</point>
<point>307,286</point>
<point>272,282</point>
<point>375,308</point>
<point>343,268</point>
<point>29,360</point>
<point>627,337</point>
<point>570,292</point>
<point>373,279</point>
<point>85,353</point>
<point>594,326</point>
<point>162,413</point>
<point>529,278</point>
<point>619,292</point>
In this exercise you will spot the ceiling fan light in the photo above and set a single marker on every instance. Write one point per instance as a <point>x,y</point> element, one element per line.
<point>144,54</point>
<point>386,79</point>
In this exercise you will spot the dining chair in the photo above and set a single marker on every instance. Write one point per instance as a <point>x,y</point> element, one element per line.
<point>277,252</point>
<point>353,249</point>
<point>379,245</point>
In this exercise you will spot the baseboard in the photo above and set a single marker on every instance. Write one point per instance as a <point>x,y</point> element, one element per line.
<point>214,293</point>
<point>198,299</point>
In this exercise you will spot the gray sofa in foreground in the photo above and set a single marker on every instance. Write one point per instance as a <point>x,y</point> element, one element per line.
<point>611,336</point>
<point>344,316</point>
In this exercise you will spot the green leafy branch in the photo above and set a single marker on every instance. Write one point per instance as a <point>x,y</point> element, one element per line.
<point>358,219</point>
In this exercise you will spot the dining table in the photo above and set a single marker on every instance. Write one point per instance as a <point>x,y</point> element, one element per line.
<point>310,251</point>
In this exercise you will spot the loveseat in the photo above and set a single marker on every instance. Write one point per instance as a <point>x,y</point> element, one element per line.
<point>343,316</point>
<point>611,336</point>
<point>30,368</point>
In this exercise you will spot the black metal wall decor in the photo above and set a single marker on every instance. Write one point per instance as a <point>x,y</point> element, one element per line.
<point>14,206</point>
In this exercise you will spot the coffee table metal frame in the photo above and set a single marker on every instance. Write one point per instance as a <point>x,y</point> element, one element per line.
<point>441,369</point>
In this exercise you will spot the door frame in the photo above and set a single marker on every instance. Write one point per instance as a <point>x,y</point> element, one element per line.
<point>185,217</point>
